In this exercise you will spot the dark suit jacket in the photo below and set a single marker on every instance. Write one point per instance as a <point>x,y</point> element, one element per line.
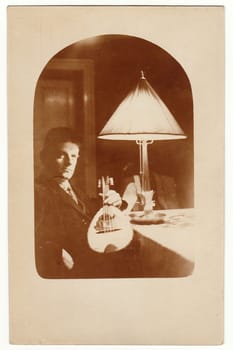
<point>60,224</point>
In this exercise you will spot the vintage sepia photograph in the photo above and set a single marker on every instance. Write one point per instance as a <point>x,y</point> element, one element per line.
<point>116,174</point>
<point>113,161</point>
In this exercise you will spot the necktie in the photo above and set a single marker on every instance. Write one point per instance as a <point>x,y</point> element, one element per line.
<point>71,194</point>
<point>65,185</point>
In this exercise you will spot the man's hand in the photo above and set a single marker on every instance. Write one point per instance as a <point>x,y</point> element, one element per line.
<point>112,198</point>
<point>67,259</point>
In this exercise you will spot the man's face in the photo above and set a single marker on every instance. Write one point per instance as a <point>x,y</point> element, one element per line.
<point>62,162</point>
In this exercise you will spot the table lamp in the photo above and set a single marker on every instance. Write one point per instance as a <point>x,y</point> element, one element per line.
<point>143,117</point>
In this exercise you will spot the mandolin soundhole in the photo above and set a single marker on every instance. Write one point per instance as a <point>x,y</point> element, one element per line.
<point>109,230</point>
<point>107,223</point>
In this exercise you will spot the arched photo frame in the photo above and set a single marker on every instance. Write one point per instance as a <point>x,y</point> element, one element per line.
<point>60,310</point>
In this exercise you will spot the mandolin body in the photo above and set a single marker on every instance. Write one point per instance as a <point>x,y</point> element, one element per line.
<point>109,230</point>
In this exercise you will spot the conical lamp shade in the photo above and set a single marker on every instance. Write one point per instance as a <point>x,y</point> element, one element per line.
<point>142,115</point>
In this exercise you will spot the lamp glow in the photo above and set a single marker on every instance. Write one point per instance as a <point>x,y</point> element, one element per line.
<point>142,116</point>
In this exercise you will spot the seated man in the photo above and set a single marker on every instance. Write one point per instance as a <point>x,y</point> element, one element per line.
<point>62,212</point>
<point>62,217</point>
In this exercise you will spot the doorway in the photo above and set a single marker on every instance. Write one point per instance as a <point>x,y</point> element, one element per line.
<point>65,97</point>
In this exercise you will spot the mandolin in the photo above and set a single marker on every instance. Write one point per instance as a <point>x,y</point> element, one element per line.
<point>110,229</point>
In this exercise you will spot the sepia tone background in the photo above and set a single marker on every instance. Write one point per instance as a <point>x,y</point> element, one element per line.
<point>142,311</point>
<point>81,87</point>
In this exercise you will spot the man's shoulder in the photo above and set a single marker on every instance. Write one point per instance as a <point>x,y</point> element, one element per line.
<point>38,186</point>
<point>43,189</point>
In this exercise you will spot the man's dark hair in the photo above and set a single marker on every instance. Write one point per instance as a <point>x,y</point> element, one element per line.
<point>56,136</point>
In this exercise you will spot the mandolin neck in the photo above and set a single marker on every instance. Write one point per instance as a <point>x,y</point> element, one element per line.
<point>105,185</point>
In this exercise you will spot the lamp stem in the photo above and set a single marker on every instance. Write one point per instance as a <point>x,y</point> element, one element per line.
<point>144,166</point>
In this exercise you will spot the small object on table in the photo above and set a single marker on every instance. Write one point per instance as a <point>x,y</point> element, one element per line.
<point>150,219</point>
